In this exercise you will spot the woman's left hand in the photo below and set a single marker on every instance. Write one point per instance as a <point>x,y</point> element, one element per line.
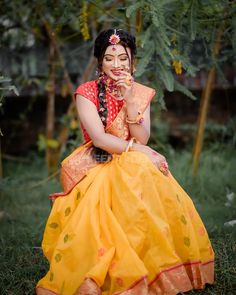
<point>157,159</point>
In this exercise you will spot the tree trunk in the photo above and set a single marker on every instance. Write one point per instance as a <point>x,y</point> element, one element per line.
<point>204,106</point>
<point>51,151</point>
<point>138,21</point>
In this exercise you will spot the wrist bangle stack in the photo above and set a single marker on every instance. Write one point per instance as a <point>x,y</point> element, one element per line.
<point>138,120</point>
<point>130,144</point>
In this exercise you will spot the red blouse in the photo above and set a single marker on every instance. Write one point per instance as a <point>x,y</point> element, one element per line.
<point>90,91</point>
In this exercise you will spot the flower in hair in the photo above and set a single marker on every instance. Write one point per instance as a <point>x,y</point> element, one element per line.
<point>114,39</point>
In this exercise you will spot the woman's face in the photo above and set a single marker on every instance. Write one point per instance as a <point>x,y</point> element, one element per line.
<point>115,61</point>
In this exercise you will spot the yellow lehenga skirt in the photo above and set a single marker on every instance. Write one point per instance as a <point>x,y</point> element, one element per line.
<point>128,229</point>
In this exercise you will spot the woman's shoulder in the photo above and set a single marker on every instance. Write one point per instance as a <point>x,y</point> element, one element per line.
<point>87,86</point>
<point>88,90</point>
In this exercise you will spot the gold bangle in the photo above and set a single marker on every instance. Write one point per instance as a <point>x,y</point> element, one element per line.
<point>138,120</point>
<point>130,144</point>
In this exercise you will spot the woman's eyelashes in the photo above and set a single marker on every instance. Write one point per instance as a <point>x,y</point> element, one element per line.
<point>121,59</point>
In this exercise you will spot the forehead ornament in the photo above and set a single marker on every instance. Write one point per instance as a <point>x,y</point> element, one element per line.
<point>114,39</point>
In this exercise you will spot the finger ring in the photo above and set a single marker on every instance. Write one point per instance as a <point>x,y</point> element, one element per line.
<point>128,81</point>
<point>163,167</point>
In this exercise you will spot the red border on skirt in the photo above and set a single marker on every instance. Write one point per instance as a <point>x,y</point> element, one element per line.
<point>142,278</point>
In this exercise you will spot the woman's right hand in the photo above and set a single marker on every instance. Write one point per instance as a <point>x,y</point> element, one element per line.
<point>157,159</point>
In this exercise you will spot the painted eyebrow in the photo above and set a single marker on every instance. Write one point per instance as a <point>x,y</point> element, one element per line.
<point>118,55</point>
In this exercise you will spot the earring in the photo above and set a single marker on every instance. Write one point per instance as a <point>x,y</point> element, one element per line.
<point>101,74</point>
<point>133,71</point>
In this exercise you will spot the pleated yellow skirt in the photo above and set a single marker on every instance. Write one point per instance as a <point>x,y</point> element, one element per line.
<point>130,230</point>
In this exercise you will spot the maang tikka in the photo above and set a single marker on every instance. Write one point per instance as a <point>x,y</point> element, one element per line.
<point>114,39</point>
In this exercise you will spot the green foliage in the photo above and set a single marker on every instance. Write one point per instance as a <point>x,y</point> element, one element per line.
<point>166,76</point>
<point>23,37</point>
<point>5,87</point>
<point>166,26</point>
<point>215,133</point>
<point>43,143</point>
<point>159,139</point>
<point>179,87</point>
<point>177,26</point>
<point>132,8</point>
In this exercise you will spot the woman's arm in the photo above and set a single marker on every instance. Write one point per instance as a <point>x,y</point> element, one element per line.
<point>91,121</point>
<point>140,131</point>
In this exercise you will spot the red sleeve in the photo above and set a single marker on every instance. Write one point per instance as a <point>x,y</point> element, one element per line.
<point>89,91</point>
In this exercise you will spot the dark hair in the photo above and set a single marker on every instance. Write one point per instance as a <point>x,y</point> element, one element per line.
<point>101,43</point>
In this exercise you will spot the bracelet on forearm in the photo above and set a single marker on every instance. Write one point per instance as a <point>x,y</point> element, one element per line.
<point>130,144</point>
<point>138,120</point>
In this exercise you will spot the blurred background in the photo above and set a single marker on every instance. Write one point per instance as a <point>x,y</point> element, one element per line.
<point>186,51</point>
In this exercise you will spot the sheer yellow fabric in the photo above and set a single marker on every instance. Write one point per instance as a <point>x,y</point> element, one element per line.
<point>128,228</point>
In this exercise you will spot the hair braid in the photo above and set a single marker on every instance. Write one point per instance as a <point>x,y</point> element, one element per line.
<point>102,111</point>
<point>99,154</point>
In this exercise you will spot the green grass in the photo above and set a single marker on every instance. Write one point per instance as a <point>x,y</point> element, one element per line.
<point>24,207</point>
